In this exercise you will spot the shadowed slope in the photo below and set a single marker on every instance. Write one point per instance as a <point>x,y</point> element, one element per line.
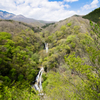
<point>94,16</point>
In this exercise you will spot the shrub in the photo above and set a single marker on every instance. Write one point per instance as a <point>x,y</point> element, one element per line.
<point>70,38</point>
<point>69,24</point>
<point>63,28</point>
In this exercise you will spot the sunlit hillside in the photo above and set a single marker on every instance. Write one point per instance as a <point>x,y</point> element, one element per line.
<point>71,65</point>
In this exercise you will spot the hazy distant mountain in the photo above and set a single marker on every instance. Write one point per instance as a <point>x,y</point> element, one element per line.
<point>26,20</point>
<point>7,15</point>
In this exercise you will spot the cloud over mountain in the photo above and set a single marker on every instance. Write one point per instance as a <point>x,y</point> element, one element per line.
<point>50,10</point>
<point>45,10</point>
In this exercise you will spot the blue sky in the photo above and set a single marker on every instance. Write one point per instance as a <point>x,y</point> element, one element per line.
<point>78,4</point>
<point>49,10</point>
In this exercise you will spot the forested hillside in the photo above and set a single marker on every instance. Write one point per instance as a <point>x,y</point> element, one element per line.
<point>94,16</point>
<point>72,65</point>
<point>73,62</point>
<point>19,60</point>
<point>14,27</point>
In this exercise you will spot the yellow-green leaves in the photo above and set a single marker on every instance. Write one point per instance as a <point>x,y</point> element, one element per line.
<point>63,28</point>
<point>71,38</point>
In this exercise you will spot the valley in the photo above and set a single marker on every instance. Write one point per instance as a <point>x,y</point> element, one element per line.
<point>68,51</point>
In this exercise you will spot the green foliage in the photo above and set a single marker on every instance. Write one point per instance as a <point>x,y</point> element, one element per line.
<point>86,40</point>
<point>47,25</point>
<point>77,76</point>
<point>91,23</point>
<point>15,93</point>
<point>76,29</point>
<point>20,77</point>
<point>71,65</point>
<point>73,45</point>
<point>63,28</point>
<point>89,78</point>
<point>56,87</point>
<point>18,63</point>
<point>71,38</point>
<point>94,15</point>
<point>69,24</point>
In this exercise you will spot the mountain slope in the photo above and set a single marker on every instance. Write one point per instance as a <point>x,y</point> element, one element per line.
<point>94,16</point>
<point>27,20</point>
<point>10,16</point>
<point>72,64</point>
<point>11,26</point>
<point>72,21</point>
<point>5,15</point>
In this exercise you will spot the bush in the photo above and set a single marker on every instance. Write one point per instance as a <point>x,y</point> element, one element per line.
<point>63,28</point>
<point>71,38</point>
<point>69,24</point>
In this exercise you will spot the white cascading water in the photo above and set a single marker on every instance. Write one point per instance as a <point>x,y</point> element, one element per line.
<point>38,81</point>
<point>46,47</point>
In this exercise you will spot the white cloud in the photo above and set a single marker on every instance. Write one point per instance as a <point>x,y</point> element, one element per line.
<point>67,6</point>
<point>38,9</point>
<point>70,0</point>
<point>93,4</point>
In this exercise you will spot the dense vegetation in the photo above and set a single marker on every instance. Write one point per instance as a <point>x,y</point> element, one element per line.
<point>47,25</point>
<point>72,65</point>
<point>73,62</point>
<point>94,16</point>
<point>18,62</point>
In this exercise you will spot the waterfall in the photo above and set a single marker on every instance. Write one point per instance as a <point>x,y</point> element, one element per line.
<point>46,47</point>
<point>38,83</point>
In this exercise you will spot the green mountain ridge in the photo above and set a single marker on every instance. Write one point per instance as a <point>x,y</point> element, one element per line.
<point>94,16</point>
<point>74,21</point>
<point>72,64</point>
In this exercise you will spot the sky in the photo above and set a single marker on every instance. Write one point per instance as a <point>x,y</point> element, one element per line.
<point>49,10</point>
